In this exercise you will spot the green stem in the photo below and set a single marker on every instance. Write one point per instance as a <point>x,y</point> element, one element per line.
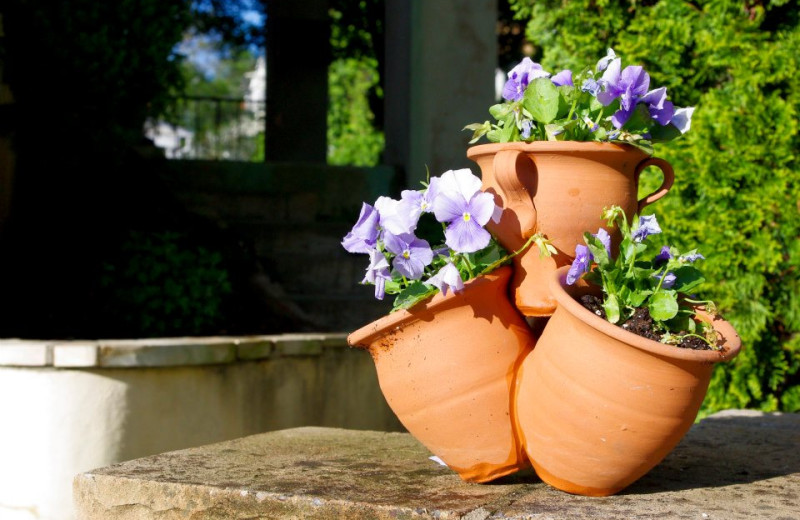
<point>494,265</point>
<point>572,108</point>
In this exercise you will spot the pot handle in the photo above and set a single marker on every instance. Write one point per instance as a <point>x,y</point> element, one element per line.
<point>509,165</point>
<point>666,171</point>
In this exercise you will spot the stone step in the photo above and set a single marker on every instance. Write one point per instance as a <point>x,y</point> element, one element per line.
<point>732,465</point>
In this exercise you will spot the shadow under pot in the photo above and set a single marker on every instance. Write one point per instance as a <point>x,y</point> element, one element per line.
<point>447,369</point>
<point>598,406</point>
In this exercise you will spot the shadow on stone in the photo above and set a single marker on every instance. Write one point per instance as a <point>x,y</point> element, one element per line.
<point>728,449</point>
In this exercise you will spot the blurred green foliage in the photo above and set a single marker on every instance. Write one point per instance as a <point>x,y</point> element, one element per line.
<point>355,92</point>
<point>161,284</point>
<point>737,190</point>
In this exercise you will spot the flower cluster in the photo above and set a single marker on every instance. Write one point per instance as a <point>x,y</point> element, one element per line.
<point>603,103</point>
<point>643,275</point>
<point>401,259</point>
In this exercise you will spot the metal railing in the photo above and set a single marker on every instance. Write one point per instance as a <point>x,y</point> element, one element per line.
<point>214,128</point>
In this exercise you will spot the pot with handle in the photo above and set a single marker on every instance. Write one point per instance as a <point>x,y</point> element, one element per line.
<point>559,189</point>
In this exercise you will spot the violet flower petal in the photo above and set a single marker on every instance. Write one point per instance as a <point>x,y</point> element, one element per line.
<point>412,254</point>
<point>448,277</point>
<point>580,265</point>
<point>460,181</point>
<point>669,280</point>
<point>663,256</point>
<point>682,119</point>
<point>648,225</point>
<point>377,273</point>
<point>466,236</point>
<point>563,78</point>
<point>691,257</point>
<point>605,239</point>
<point>602,64</point>
<point>364,235</point>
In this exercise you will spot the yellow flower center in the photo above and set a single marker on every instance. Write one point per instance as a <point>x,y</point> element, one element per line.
<point>467,216</point>
<point>406,255</point>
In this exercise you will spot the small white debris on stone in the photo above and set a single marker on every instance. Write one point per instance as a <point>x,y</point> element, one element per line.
<point>437,460</point>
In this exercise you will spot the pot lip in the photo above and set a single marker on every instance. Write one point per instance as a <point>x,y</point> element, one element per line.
<point>553,147</point>
<point>565,300</point>
<point>363,337</point>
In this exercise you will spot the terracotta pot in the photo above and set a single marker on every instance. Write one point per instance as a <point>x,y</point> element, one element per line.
<point>558,188</point>
<point>597,406</point>
<point>447,368</point>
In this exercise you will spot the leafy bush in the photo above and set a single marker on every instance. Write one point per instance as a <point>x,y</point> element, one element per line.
<point>161,284</point>
<point>737,189</point>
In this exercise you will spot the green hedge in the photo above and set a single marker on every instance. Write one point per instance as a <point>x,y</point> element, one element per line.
<point>737,190</point>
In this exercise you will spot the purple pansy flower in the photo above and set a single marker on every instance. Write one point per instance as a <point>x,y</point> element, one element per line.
<point>691,257</point>
<point>395,216</point>
<point>364,235</point>
<point>629,86</point>
<point>520,76</point>
<point>660,109</point>
<point>682,119</point>
<point>605,60</point>
<point>648,225</point>
<point>605,239</point>
<point>377,273</point>
<point>664,255</point>
<point>590,124</point>
<point>526,129</point>
<point>591,86</point>
<point>583,258</point>
<point>669,279</point>
<point>448,277</point>
<point>412,254</point>
<point>465,209</point>
<point>563,78</point>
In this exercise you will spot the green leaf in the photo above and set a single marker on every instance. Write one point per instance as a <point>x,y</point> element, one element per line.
<point>637,298</point>
<point>413,294</point>
<point>555,132</point>
<point>541,100</point>
<point>500,110</point>
<point>662,134</point>
<point>640,120</point>
<point>611,306</point>
<point>597,249</point>
<point>687,278</point>
<point>566,97</point>
<point>663,305</point>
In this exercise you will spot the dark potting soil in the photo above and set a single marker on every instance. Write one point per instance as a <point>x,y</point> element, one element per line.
<point>642,324</point>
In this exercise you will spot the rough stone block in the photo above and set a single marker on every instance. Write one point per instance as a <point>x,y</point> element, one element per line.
<point>731,466</point>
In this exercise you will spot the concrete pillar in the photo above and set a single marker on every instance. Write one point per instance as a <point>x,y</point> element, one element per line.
<point>297,80</point>
<point>440,63</point>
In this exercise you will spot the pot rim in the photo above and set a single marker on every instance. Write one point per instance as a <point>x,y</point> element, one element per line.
<point>553,147</point>
<point>363,337</point>
<point>733,341</point>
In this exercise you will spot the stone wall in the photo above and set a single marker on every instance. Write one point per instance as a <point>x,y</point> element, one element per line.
<point>294,215</point>
<point>71,406</point>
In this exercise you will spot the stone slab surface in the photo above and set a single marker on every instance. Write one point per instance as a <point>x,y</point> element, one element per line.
<point>732,465</point>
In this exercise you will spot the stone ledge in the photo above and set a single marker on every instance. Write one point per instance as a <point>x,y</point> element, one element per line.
<point>732,465</point>
<point>163,352</point>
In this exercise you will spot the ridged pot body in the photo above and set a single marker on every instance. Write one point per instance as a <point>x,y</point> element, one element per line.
<point>558,188</point>
<point>447,369</point>
<point>597,406</point>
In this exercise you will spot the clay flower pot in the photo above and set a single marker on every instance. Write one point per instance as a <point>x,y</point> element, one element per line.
<point>597,406</point>
<point>447,368</point>
<point>558,188</point>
